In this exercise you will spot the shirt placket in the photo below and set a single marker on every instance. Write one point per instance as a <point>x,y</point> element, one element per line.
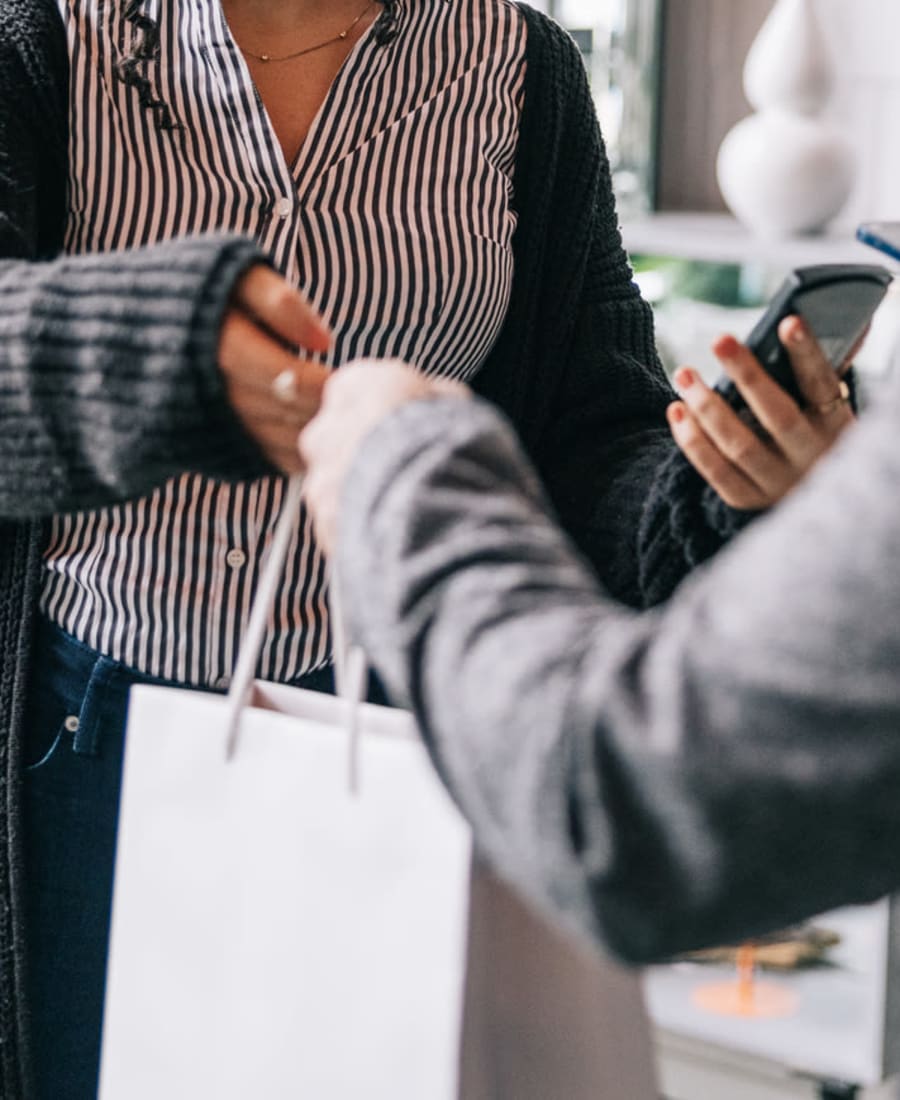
<point>278,225</point>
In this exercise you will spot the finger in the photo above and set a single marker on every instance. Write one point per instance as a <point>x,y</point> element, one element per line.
<point>776,411</point>
<point>732,485</point>
<point>273,433</point>
<point>261,407</point>
<point>735,440</point>
<point>816,377</point>
<point>282,309</point>
<point>248,356</point>
<point>832,417</point>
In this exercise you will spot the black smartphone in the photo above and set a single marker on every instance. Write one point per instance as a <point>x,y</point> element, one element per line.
<point>835,300</point>
<point>885,236</point>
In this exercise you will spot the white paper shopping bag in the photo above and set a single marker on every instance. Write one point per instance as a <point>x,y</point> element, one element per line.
<point>297,914</point>
<point>273,935</point>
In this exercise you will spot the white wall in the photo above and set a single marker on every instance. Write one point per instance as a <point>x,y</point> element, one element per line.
<point>864,37</point>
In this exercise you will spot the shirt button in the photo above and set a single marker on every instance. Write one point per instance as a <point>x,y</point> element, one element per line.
<point>71,723</point>
<point>283,207</point>
<point>236,558</point>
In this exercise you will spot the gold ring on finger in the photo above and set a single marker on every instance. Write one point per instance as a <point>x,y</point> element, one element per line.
<point>843,398</point>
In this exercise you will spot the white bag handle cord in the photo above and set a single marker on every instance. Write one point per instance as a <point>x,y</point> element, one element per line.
<point>350,677</point>
<point>350,662</point>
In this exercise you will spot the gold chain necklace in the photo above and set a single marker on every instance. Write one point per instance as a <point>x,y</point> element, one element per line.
<point>310,49</point>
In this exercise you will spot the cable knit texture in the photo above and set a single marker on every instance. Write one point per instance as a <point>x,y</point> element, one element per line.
<point>575,366</point>
<point>108,381</point>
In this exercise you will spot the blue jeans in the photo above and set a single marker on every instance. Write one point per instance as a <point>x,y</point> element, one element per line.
<point>72,779</point>
<point>74,739</point>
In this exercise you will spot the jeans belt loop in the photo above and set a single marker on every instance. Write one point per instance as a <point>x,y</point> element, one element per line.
<point>87,736</point>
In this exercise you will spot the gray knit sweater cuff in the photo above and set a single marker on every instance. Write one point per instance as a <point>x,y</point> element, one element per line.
<point>110,368</point>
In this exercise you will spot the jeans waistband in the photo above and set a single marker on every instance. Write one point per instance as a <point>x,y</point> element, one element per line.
<point>97,680</point>
<point>101,683</point>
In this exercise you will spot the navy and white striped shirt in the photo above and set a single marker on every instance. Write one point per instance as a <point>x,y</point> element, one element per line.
<point>395,219</point>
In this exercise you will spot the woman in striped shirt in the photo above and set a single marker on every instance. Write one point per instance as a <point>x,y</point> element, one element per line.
<point>431,174</point>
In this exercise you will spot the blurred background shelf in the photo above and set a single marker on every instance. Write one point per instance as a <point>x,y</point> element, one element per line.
<point>705,274</point>
<point>719,238</point>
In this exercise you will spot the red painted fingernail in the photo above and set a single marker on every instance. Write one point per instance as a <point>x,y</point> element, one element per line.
<point>677,413</point>
<point>726,346</point>
<point>684,378</point>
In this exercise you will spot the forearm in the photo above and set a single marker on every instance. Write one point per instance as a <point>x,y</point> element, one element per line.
<point>109,377</point>
<point>473,611</point>
<point>664,780</point>
<point>618,483</point>
<point>752,731</point>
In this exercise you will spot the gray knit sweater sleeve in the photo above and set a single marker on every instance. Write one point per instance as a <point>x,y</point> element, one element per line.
<point>109,378</point>
<point>697,773</point>
<point>108,363</point>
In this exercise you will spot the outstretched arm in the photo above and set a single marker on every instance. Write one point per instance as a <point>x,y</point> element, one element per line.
<point>119,370</point>
<point>723,764</point>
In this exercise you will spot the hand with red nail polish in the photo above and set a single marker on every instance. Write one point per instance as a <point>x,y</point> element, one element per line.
<point>752,466</point>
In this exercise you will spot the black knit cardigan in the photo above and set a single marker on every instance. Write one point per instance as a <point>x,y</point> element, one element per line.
<point>109,384</point>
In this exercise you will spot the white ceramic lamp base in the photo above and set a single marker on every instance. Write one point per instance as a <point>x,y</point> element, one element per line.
<point>783,174</point>
<point>785,171</point>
